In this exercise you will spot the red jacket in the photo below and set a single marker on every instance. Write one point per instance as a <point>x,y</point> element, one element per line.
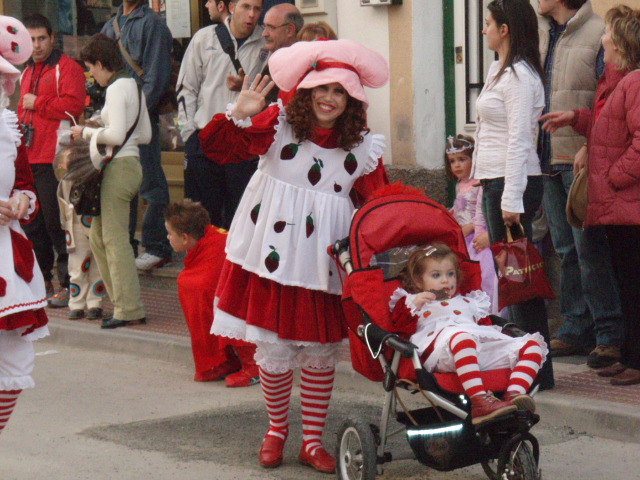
<point>59,84</point>
<point>614,149</point>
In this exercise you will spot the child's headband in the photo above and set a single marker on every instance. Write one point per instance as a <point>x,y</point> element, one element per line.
<point>466,145</point>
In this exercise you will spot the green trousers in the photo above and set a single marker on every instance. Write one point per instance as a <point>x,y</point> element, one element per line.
<point>110,237</point>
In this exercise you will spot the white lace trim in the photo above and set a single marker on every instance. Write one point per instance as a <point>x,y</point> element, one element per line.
<point>375,152</point>
<point>32,201</point>
<point>521,341</point>
<point>482,301</point>
<point>396,296</point>
<point>16,383</point>
<point>227,325</point>
<point>37,334</point>
<point>282,117</point>
<point>245,123</point>
<point>302,359</point>
<point>11,121</point>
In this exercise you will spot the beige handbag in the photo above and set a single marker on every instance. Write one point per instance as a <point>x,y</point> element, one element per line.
<point>577,199</point>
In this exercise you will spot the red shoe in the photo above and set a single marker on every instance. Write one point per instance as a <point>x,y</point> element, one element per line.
<point>486,407</point>
<point>520,400</point>
<point>247,376</point>
<point>270,455</point>
<point>320,460</point>
<point>219,372</point>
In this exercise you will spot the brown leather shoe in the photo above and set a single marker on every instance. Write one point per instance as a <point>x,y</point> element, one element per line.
<point>486,407</point>
<point>612,370</point>
<point>520,400</point>
<point>630,376</point>
<point>320,460</point>
<point>560,348</point>
<point>603,356</point>
<point>270,455</point>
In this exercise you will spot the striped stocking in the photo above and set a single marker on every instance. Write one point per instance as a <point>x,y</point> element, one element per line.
<point>276,388</point>
<point>315,393</point>
<point>8,400</point>
<point>465,356</point>
<point>527,368</point>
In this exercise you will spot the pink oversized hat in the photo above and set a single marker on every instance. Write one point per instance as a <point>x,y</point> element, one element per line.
<point>15,49</point>
<point>347,62</point>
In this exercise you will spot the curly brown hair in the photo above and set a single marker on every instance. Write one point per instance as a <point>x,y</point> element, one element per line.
<point>188,217</point>
<point>417,265</point>
<point>350,125</point>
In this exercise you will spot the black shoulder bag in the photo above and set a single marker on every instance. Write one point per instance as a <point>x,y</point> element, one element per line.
<point>227,45</point>
<point>85,195</point>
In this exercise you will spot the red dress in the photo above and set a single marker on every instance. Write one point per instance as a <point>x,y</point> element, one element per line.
<point>277,311</point>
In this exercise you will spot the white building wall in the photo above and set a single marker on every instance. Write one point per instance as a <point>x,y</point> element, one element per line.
<point>370,26</point>
<point>428,80</point>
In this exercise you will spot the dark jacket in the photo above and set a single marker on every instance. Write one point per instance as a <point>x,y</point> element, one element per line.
<point>614,149</point>
<point>149,42</point>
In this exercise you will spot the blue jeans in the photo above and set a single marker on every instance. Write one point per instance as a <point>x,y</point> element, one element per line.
<point>530,316</point>
<point>589,296</point>
<point>155,191</point>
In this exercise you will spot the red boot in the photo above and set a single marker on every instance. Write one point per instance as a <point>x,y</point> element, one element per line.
<point>270,455</point>
<point>320,460</point>
<point>249,374</point>
<point>486,407</point>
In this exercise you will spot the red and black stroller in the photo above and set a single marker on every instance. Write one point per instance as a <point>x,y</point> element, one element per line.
<point>440,431</point>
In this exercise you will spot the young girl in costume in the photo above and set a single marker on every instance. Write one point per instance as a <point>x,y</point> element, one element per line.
<point>189,230</point>
<point>451,336</point>
<point>467,210</point>
<point>86,288</point>
<point>279,288</point>
<point>22,290</point>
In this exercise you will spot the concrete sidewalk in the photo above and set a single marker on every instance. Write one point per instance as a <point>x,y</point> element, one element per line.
<point>581,400</point>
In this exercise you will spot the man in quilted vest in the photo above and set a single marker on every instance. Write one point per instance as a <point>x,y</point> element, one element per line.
<point>571,52</point>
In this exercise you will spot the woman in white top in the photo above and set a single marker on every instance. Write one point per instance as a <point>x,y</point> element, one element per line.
<point>505,159</point>
<point>126,126</point>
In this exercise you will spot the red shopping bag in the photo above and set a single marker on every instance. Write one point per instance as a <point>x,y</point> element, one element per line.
<point>521,274</point>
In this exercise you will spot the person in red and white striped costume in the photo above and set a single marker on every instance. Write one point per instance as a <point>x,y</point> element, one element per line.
<point>22,290</point>
<point>451,336</point>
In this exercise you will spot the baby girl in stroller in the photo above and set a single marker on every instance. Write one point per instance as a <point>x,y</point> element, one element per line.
<point>453,335</point>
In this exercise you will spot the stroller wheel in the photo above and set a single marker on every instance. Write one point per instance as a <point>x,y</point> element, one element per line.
<point>518,463</point>
<point>356,451</point>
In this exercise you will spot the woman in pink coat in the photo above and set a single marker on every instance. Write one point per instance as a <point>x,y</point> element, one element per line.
<point>612,128</point>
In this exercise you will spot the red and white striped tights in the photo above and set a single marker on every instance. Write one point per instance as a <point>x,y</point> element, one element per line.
<point>465,356</point>
<point>8,400</point>
<point>316,386</point>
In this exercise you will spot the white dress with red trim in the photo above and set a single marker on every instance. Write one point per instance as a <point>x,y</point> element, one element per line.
<point>438,321</point>
<point>279,284</point>
<point>22,290</point>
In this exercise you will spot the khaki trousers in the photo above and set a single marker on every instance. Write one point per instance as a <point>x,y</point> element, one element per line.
<point>110,237</point>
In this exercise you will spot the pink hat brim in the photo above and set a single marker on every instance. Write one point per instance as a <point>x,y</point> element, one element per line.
<point>9,75</point>
<point>293,67</point>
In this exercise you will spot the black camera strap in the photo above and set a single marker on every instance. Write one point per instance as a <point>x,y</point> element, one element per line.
<point>227,45</point>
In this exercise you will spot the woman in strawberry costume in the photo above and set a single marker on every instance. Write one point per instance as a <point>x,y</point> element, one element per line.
<point>279,288</point>
<point>22,290</point>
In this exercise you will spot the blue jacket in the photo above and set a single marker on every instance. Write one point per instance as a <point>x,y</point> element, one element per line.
<point>149,42</point>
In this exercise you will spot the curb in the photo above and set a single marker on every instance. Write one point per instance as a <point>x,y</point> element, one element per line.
<point>589,416</point>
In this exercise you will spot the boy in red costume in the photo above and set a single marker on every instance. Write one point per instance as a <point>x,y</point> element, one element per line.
<point>189,229</point>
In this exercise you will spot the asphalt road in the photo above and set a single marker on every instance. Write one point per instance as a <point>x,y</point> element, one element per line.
<point>98,415</point>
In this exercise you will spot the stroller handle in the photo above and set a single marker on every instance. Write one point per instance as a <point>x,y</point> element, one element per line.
<point>375,337</point>
<point>340,251</point>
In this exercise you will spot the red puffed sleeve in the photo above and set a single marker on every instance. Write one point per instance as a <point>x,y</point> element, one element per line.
<point>402,321</point>
<point>367,184</point>
<point>24,181</point>
<point>224,142</point>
